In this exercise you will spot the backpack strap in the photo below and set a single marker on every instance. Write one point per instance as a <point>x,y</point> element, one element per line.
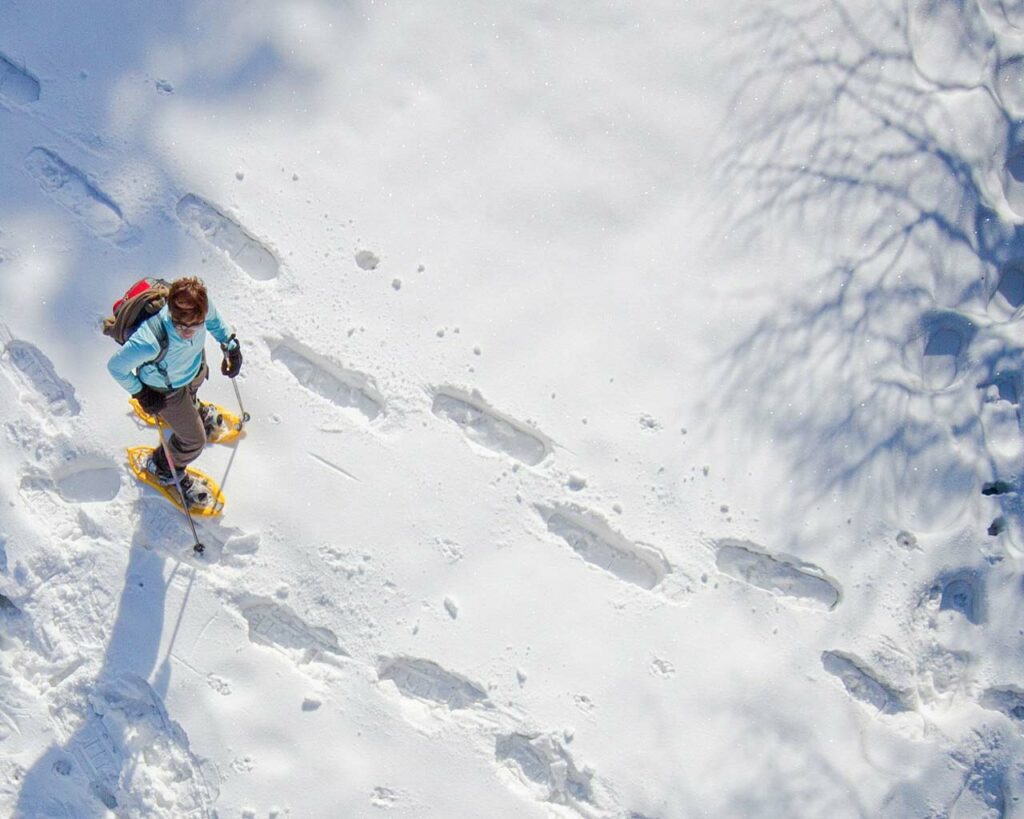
<point>161,336</point>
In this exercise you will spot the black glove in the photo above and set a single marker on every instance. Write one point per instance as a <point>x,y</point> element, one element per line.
<point>151,401</point>
<point>232,363</point>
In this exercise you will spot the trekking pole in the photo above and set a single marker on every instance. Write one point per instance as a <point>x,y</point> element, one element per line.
<point>244,419</point>
<point>197,546</point>
<point>227,471</point>
<point>245,416</point>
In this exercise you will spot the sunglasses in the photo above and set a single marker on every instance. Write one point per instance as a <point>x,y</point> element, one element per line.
<point>180,325</point>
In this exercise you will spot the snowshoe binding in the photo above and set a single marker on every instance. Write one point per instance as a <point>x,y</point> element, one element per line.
<point>194,492</point>
<point>213,420</point>
<point>221,425</point>
<point>202,496</point>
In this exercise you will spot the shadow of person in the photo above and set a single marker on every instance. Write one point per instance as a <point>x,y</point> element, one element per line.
<point>120,715</point>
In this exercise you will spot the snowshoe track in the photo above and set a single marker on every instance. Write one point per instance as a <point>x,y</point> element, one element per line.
<point>32,368</point>
<point>129,749</point>
<point>800,582</point>
<point>947,337</point>
<point>16,84</point>
<point>544,761</point>
<point>489,428</point>
<point>1013,180</point>
<point>1008,296</point>
<point>95,751</point>
<point>273,624</point>
<point>984,793</point>
<point>342,387</point>
<point>70,188</point>
<point>964,592</point>
<point>862,684</point>
<point>88,480</point>
<point>1007,700</point>
<point>206,221</point>
<point>426,680</point>
<point>592,539</point>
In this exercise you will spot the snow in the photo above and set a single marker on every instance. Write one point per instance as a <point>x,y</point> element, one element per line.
<point>635,395</point>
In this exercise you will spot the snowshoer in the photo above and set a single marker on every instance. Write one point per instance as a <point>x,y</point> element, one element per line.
<point>167,385</point>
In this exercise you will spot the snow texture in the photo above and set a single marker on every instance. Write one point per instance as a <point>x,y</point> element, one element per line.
<point>635,410</point>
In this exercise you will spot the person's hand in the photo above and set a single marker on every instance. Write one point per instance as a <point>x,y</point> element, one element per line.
<point>232,363</point>
<point>151,401</point>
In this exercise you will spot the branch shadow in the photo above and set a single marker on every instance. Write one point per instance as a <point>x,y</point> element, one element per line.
<point>891,171</point>
<point>892,379</point>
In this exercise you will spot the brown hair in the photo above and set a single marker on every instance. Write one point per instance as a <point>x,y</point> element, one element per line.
<point>188,301</point>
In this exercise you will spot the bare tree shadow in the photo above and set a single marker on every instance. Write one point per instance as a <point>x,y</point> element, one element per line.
<point>895,175</point>
<point>894,377</point>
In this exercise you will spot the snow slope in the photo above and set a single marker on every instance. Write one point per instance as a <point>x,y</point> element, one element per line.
<point>636,399</point>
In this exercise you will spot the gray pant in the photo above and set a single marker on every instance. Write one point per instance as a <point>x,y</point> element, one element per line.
<point>181,413</point>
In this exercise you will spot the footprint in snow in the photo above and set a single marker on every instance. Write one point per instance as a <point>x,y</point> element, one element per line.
<point>149,744</point>
<point>383,797</point>
<point>541,759</point>
<point>82,480</point>
<point>276,625</point>
<point>72,189</point>
<point>1008,296</point>
<point>984,792</point>
<point>863,684</point>
<point>966,784</point>
<point>206,221</point>
<point>946,338</point>
<point>1001,422</point>
<point>1008,701</point>
<point>961,592</point>
<point>88,480</point>
<point>30,367</point>
<point>58,482</point>
<point>97,755</point>
<point>123,735</point>
<point>163,528</point>
<point>218,684</point>
<point>1008,80</point>
<point>486,427</point>
<point>593,540</point>
<point>1013,180</point>
<point>426,680</point>
<point>662,668</point>
<point>17,85</point>
<point>794,580</point>
<point>343,387</point>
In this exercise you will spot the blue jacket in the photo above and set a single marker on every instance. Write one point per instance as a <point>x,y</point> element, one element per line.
<point>181,363</point>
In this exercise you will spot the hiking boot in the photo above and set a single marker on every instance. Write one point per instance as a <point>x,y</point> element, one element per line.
<point>212,420</point>
<point>196,494</point>
<point>156,465</point>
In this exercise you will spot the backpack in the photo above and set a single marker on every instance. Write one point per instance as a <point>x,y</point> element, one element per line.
<point>141,302</point>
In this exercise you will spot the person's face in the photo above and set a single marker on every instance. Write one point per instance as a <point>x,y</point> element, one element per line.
<point>187,329</point>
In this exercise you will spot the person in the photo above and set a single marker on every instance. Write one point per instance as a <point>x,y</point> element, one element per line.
<point>168,386</point>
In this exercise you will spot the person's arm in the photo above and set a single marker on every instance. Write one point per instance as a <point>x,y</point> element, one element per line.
<point>137,350</point>
<point>219,328</point>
